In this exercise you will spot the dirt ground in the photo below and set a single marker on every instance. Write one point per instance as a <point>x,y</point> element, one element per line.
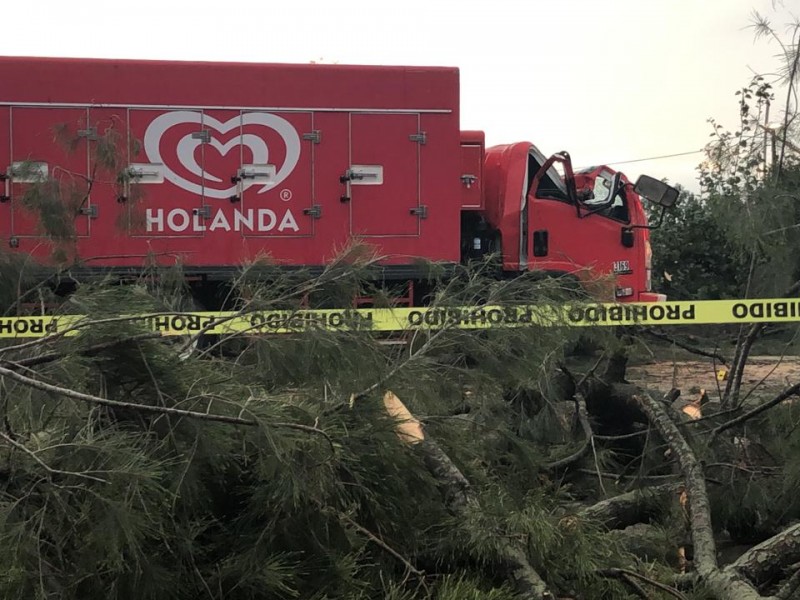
<point>770,374</point>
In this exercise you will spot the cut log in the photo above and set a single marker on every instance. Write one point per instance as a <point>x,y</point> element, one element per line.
<point>459,498</point>
<point>633,507</point>
<point>766,561</point>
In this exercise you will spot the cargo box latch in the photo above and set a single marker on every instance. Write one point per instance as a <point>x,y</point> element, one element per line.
<point>89,211</point>
<point>146,172</point>
<point>421,211</point>
<point>255,173</point>
<point>315,211</point>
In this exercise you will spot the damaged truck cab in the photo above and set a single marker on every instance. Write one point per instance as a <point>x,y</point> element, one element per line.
<point>541,216</point>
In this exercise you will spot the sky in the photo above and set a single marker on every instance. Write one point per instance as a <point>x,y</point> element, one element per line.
<point>609,81</point>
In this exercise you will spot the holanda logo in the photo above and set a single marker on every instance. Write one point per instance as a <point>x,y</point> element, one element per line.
<point>256,128</point>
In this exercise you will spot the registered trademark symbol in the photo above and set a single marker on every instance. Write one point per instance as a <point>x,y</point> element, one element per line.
<point>286,195</point>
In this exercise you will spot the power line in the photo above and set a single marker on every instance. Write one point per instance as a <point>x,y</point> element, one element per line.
<point>624,162</point>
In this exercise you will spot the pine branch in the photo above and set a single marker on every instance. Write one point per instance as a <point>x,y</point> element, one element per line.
<point>45,466</point>
<point>742,353</point>
<point>685,346</point>
<point>375,539</point>
<point>164,410</point>
<point>784,395</point>
<point>33,361</point>
<point>625,573</point>
<point>583,450</point>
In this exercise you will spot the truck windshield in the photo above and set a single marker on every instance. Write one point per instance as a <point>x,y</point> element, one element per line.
<point>618,209</point>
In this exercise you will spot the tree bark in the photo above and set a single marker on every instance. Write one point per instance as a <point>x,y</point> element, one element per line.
<point>632,507</point>
<point>784,395</point>
<point>725,585</point>
<point>766,561</point>
<point>586,426</point>
<point>742,353</point>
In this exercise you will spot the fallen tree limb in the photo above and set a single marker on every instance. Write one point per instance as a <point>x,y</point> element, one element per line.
<point>784,395</point>
<point>33,361</point>
<point>632,507</point>
<point>153,409</point>
<point>791,587</point>
<point>766,561</point>
<point>583,450</point>
<point>459,497</point>
<point>699,351</point>
<point>650,543</point>
<point>724,584</point>
<point>734,383</point>
<point>625,573</point>
<point>73,395</point>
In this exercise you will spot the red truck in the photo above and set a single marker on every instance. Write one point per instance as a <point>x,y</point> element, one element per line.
<point>107,164</point>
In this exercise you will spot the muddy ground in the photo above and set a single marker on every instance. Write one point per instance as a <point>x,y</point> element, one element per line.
<point>767,374</point>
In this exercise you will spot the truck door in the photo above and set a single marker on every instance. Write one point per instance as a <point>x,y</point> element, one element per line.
<point>49,172</point>
<point>165,195</point>
<point>563,242</point>
<point>109,160</point>
<point>382,183</point>
<point>5,187</point>
<point>275,177</point>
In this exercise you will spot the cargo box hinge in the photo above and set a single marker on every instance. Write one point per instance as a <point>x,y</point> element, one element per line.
<point>420,137</point>
<point>314,136</point>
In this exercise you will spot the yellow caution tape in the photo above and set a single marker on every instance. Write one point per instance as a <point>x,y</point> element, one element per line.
<point>703,312</point>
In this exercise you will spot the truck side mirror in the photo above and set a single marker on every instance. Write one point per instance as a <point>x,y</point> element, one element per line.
<point>656,191</point>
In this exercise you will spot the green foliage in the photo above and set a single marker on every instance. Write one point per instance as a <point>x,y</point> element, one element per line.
<point>760,492</point>
<point>694,257</point>
<point>318,497</point>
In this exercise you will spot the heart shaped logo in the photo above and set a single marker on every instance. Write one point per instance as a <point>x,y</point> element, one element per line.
<point>186,146</point>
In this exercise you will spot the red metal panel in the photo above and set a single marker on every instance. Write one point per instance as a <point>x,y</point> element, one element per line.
<point>108,162</point>
<point>331,160</point>
<point>384,140</point>
<point>5,162</point>
<point>276,209</point>
<point>166,142</point>
<point>52,136</point>
<point>164,83</point>
<point>471,167</point>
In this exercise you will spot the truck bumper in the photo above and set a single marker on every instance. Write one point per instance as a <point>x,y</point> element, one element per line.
<point>652,297</point>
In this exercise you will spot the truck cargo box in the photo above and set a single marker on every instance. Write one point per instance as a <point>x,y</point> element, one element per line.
<point>213,165</point>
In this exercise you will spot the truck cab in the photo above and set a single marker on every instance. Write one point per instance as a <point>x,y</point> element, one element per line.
<point>541,216</point>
